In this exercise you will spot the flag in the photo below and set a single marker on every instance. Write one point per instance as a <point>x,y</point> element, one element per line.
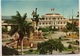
<point>52,9</point>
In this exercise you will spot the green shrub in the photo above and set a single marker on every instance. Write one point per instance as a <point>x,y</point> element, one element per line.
<point>72,52</point>
<point>77,42</point>
<point>60,38</point>
<point>9,51</point>
<point>70,46</point>
<point>44,29</point>
<point>31,50</point>
<point>4,29</point>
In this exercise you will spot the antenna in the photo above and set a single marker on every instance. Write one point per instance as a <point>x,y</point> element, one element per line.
<point>63,11</point>
<point>36,11</point>
<point>72,20</point>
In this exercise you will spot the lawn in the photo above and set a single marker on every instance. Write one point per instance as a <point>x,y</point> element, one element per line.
<point>7,40</point>
<point>67,49</point>
<point>24,47</point>
<point>33,52</point>
<point>73,42</point>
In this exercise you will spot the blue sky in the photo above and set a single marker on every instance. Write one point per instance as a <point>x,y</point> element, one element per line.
<point>64,7</point>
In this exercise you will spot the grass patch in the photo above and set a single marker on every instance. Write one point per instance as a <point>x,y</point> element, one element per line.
<point>63,39</point>
<point>24,47</point>
<point>67,49</point>
<point>5,40</point>
<point>73,42</point>
<point>33,52</point>
<point>47,34</point>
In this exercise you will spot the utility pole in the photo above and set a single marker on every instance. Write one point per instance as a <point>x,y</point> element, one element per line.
<point>72,33</point>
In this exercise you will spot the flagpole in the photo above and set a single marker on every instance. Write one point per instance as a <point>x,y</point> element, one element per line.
<point>52,9</point>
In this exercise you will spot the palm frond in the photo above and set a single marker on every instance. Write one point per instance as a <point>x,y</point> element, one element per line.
<point>13,30</point>
<point>15,19</point>
<point>24,17</point>
<point>18,14</point>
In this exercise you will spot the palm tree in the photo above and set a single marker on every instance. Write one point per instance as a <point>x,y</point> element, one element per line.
<point>77,15</point>
<point>22,27</point>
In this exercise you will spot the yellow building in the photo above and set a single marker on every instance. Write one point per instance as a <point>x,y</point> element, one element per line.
<point>72,35</point>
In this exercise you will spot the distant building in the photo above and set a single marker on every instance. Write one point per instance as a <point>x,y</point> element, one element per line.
<point>55,20</point>
<point>8,25</point>
<point>75,21</point>
<point>28,19</point>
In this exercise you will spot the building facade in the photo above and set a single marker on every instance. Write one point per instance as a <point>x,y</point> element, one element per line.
<point>52,19</point>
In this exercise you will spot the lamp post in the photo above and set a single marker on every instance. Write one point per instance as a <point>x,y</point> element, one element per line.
<point>51,31</point>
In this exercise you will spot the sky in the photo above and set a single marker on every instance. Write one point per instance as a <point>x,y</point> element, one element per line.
<point>63,7</point>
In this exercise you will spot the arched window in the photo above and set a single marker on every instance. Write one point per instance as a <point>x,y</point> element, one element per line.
<point>49,18</point>
<point>46,22</point>
<point>54,23</point>
<point>61,27</point>
<point>40,23</point>
<point>58,22</point>
<point>64,22</point>
<point>61,18</point>
<point>61,22</point>
<point>43,23</point>
<point>54,18</point>
<point>49,22</point>
<point>46,18</point>
<point>42,18</point>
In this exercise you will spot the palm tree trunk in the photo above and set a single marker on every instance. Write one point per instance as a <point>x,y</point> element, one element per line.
<point>17,43</point>
<point>22,47</point>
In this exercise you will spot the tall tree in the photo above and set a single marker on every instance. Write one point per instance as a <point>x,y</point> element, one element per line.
<point>70,25</point>
<point>65,30</point>
<point>21,26</point>
<point>77,15</point>
<point>49,46</point>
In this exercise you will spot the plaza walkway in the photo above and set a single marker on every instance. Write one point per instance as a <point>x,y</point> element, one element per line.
<point>57,34</point>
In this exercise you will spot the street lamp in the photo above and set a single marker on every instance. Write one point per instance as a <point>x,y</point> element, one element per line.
<point>51,31</point>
